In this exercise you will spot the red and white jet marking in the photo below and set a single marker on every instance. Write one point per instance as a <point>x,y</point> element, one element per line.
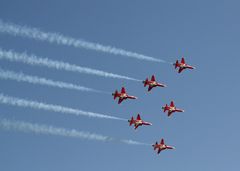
<point>122,95</point>
<point>172,108</point>
<point>152,83</point>
<point>138,122</point>
<point>182,65</point>
<point>161,146</point>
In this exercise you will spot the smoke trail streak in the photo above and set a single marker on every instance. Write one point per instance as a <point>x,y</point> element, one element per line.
<point>49,130</point>
<point>5,74</point>
<point>131,142</point>
<point>34,33</point>
<point>59,65</point>
<point>50,107</point>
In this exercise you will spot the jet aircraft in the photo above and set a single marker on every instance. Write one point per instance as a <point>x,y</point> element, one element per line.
<point>122,95</point>
<point>152,83</point>
<point>161,146</point>
<point>172,108</point>
<point>138,122</point>
<point>182,65</point>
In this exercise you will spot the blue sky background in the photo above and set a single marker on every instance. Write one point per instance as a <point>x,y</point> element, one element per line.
<point>206,135</point>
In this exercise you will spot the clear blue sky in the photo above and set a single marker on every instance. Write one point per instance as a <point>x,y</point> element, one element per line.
<point>206,135</point>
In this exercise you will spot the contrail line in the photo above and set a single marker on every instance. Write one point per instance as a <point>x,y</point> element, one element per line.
<point>59,65</point>
<point>51,130</point>
<point>37,34</point>
<point>14,101</point>
<point>131,142</point>
<point>21,77</point>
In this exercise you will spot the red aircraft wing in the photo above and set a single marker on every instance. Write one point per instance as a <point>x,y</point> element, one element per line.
<point>136,126</point>
<point>159,150</point>
<point>180,70</point>
<point>169,113</point>
<point>120,100</point>
<point>162,141</point>
<point>153,78</point>
<point>172,104</point>
<point>138,117</point>
<point>150,88</point>
<point>183,61</point>
<point>123,90</point>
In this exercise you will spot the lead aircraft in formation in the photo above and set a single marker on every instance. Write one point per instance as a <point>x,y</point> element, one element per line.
<point>161,146</point>
<point>182,65</point>
<point>138,122</point>
<point>122,95</point>
<point>152,83</point>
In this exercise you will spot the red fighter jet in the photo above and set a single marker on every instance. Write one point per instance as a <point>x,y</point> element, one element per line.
<point>122,96</point>
<point>172,108</point>
<point>152,83</point>
<point>138,122</point>
<point>182,65</point>
<point>161,146</point>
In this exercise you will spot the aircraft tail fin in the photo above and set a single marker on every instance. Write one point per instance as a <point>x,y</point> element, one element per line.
<point>155,146</point>
<point>165,108</point>
<point>115,94</point>
<point>131,121</point>
<point>176,64</point>
<point>145,82</point>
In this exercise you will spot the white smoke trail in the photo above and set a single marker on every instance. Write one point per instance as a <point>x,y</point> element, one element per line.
<point>50,107</point>
<point>59,65</point>
<point>131,142</point>
<point>34,33</point>
<point>5,74</point>
<point>49,130</point>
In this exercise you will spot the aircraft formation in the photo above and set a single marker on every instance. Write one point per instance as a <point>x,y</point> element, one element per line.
<point>121,96</point>
<point>169,109</point>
